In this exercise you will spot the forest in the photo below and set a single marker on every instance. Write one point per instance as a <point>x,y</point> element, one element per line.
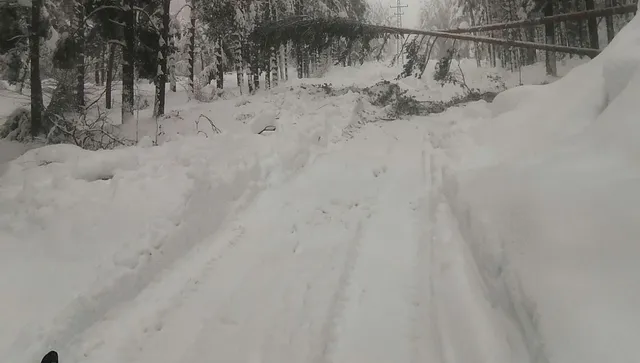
<point>67,44</point>
<point>269,181</point>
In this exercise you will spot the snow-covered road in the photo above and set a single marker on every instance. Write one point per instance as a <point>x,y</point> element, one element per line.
<point>490,233</point>
<point>326,267</point>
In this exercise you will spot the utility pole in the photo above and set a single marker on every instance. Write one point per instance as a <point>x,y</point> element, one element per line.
<point>399,38</point>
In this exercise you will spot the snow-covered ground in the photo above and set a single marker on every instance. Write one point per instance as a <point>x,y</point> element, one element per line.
<point>502,232</point>
<point>545,196</point>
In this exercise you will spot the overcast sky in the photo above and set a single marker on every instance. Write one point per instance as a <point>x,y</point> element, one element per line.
<point>409,19</point>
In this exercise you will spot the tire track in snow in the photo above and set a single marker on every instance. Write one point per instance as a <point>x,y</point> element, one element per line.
<point>425,327</point>
<point>92,308</point>
<point>434,320</point>
<point>379,319</point>
<point>290,286</point>
<point>269,295</point>
<point>469,325</point>
<point>295,286</point>
<point>476,316</point>
<point>338,302</point>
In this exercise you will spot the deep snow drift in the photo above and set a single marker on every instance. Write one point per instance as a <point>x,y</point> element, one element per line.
<point>545,195</point>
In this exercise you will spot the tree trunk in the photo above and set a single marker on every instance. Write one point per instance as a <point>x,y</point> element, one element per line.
<point>266,59</point>
<point>34,54</point>
<point>79,14</point>
<point>163,54</point>
<point>250,79</point>
<point>247,49</point>
<point>299,64</point>
<point>592,25</point>
<point>531,53</point>
<point>202,60</point>
<point>476,45</point>
<point>285,62</point>
<point>211,69</point>
<point>238,60</point>
<point>103,53</point>
<point>491,48</point>
<point>326,58</point>
<point>192,48</point>
<point>255,65</point>
<point>274,67</point>
<point>298,45</point>
<point>609,19</point>
<point>307,64</point>
<point>274,55</point>
<point>579,25</point>
<point>128,62</point>
<point>220,78</point>
<point>549,33</point>
<point>109,77</point>
<point>281,62</point>
<point>172,61</point>
<point>256,75</point>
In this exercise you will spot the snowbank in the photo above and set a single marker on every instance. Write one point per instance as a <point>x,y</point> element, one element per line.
<point>485,77</point>
<point>10,150</point>
<point>85,230</point>
<point>545,195</point>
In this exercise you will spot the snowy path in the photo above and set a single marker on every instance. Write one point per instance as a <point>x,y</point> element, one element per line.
<point>324,268</point>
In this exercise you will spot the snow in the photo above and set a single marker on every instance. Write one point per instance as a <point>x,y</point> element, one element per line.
<point>493,232</point>
<point>10,150</point>
<point>262,121</point>
<point>61,199</point>
<point>163,200</point>
<point>303,256</point>
<point>552,225</point>
<point>9,101</point>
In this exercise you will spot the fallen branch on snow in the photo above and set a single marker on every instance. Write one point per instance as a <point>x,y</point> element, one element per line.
<point>215,128</point>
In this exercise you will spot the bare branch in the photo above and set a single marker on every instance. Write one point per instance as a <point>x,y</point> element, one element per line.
<point>101,8</point>
<point>142,11</point>
<point>213,126</point>
<point>267,128</point>
<point>187,5</point>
